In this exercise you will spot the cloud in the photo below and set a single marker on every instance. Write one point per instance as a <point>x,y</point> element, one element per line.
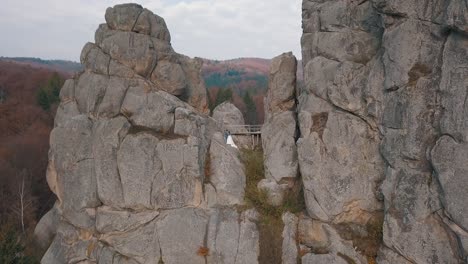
<point>217,29</point>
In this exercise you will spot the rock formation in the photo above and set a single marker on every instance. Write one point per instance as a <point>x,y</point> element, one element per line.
<point>377,139</point>
<point>279,129</point>
<point>141,174</point>
<point>228,116</point>
<point>384,131</point>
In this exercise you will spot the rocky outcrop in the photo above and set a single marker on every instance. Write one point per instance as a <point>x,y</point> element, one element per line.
<point>383,130</point>
<point>377,139</point>
<point>229,117</point>
<point>279,129</point>
<point>129,158</point>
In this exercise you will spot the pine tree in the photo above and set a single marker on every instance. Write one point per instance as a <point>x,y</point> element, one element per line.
<point>50,93</point>
<point>11,250</point>
<point>251,109</point>
<point>54,84</point>
<point>43,99</point>
<point>223,96</point>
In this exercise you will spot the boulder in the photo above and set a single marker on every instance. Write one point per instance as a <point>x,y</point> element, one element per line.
<point>227,173</point>
<point>229,117</point>
<point>282,84</point>
<point>123,17</point>
<point>227,114</point>
<point>153,25</point>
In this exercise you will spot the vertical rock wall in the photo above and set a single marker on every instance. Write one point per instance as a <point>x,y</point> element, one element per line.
<point>383,121</point>
<point>279,129</point>
<point>129,158</point>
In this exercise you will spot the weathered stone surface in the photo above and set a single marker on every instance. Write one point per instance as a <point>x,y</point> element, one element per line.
<point>279,131</point>
<point>47,228</point>
<point>94,59</point>
<point>249,238</point>
<point>229,117</point>
<point>282,84</point>
<point>141,244</point>
<point>70,245</point>
<point>138,164</point>
<point>227,172</point>
<point>136,51</point>
<point>170,77</point>
<point>89,91</point>
<point>228,114</point>
<point>450,161</point>
<point>319,259</point>
<point>388,256</point>
<point>66,111</point>
<point>109,220</point>
<point>182,246</point>
<point>76,187</point>
<point>159,173</point>
<point>67,92</point>
<point>151,109</point>
<point>128,158</point>
<point>223,236</point>
<point>290,246</point>
<point>123,17</point>
<point>354,174</point>
<point>313,235</point>
<point>279,148</point>
<point>325,244</point>
<point>454,120</point>
<point>178,183</point>
<point>153,25</point>
<point>352,52</point>
<point>232,237</point>
<point>113,97</point>
<point>108,134</point>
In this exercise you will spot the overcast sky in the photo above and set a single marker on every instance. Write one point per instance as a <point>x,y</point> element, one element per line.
<point>215,29</point>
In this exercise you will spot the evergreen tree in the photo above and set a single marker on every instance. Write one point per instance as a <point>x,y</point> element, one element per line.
<point>11,250</point>
<point>43,99</point>
<point>223,96</point>
<point>50,93</point>
<point>54,84</point>
<point>251,109</point>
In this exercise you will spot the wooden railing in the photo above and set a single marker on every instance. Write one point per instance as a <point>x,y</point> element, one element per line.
<point>244,129</point>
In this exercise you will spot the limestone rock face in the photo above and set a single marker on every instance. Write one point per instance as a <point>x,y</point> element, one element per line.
<point>279,129</point>
<point>128,158</point>
<point>382,125</point>
<point>227,174</point>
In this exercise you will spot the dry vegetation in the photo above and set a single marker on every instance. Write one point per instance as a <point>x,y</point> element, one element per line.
<point>270,224</point>
<point>24,142</point>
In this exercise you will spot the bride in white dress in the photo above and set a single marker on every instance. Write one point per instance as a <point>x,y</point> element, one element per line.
<point>230,142</point>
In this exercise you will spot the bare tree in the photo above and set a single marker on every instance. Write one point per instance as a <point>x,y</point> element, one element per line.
<point>25,200</point>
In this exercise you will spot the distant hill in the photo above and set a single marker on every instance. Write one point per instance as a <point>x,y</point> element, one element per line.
<point>241,75</point>
<point>63,66</point>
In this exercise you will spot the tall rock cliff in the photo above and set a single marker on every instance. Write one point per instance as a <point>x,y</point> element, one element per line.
<point>384,131</point>
<point>377,139</point>
<point>128,158</point>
